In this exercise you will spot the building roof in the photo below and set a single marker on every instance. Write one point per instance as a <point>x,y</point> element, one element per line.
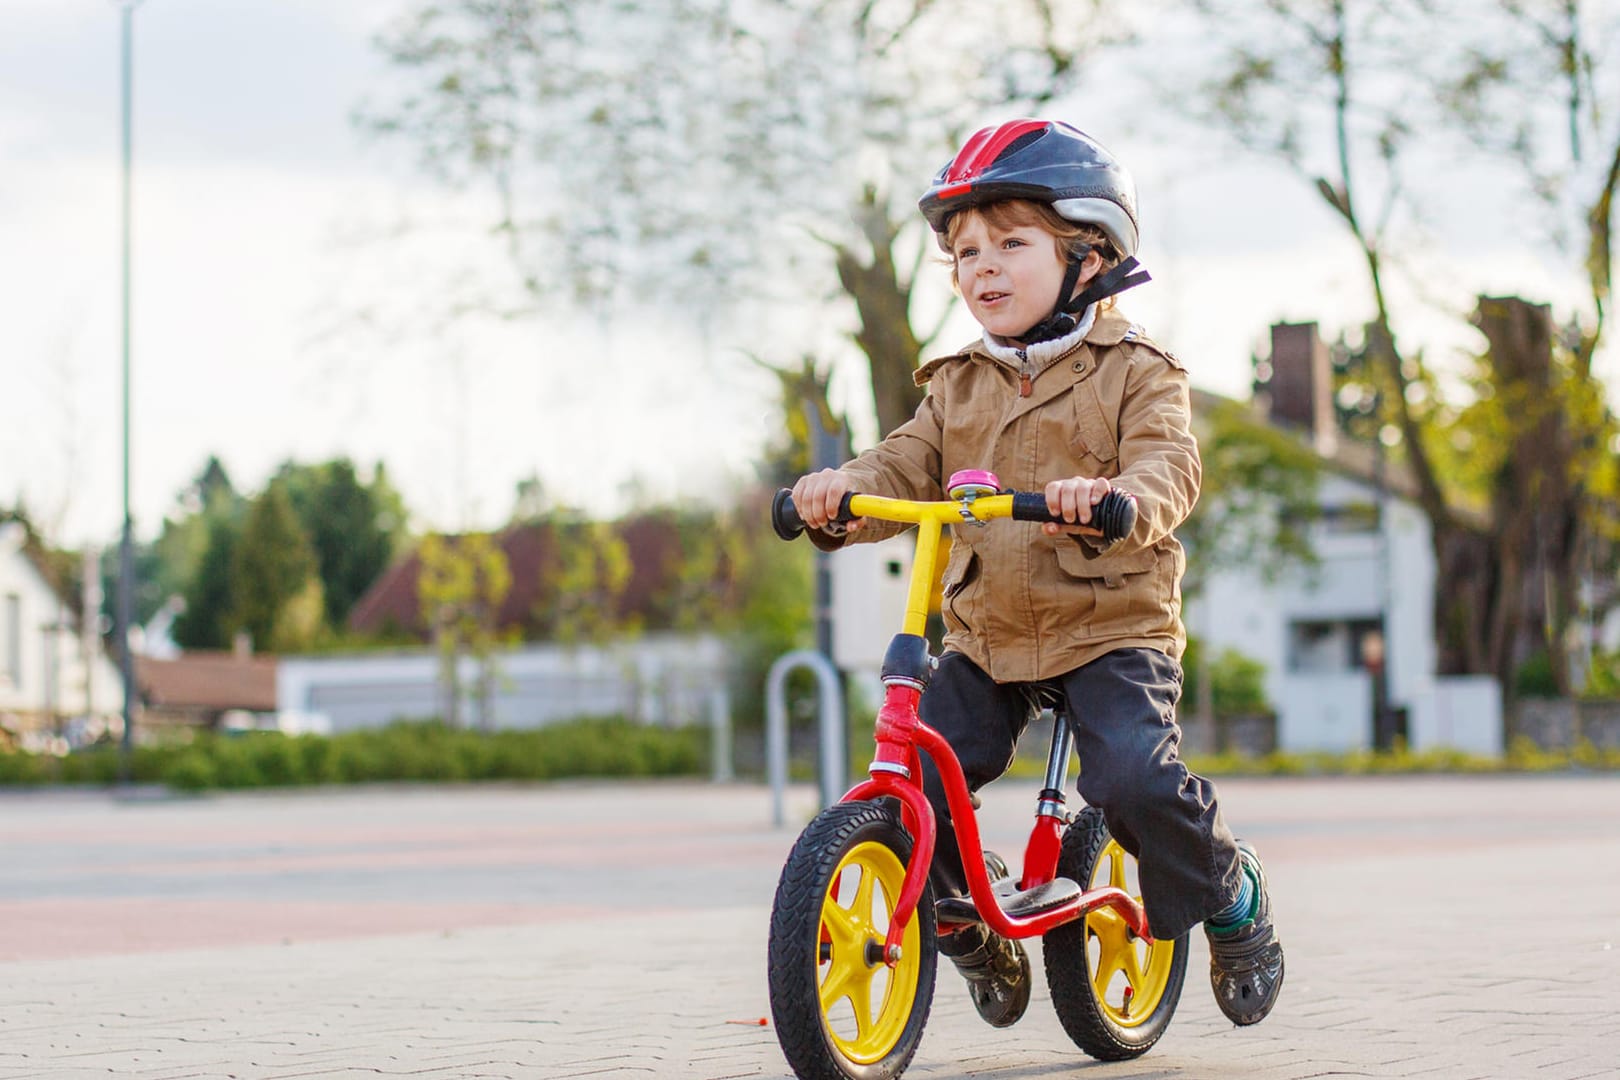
<point>208,680</point>
<point>18,536</point>
<point>652,543</point>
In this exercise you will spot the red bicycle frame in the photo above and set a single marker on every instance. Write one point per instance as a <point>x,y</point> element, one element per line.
<point>895,770</point>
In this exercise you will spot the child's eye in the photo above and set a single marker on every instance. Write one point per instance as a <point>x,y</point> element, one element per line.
<point>1012,242</point>
<point>966,252</point>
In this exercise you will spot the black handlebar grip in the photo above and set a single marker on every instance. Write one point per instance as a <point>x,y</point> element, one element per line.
<point>1114,514</point>
<point>785,517</point>
<point>1030,506</point>
<point>788,524</point>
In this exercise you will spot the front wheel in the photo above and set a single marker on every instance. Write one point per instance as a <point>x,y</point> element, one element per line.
<point>841,1013</point>
<point>1113,992</point>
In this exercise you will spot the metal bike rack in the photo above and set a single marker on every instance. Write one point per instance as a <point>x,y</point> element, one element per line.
<point>834,769</point>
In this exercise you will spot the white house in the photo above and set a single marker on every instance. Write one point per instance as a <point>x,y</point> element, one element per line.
<point>1351,640</point>
<point>1348,645</point>
<point>57,685</point>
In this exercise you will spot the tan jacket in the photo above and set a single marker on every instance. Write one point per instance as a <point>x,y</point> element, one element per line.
<point>1021,604</point>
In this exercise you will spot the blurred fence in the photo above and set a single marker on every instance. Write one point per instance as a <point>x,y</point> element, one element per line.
<point>665,680</point>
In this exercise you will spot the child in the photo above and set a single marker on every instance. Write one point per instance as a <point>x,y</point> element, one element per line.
<point>1064,394</point>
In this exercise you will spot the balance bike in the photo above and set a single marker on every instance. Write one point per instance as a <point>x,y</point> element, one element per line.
<point>854,926</point>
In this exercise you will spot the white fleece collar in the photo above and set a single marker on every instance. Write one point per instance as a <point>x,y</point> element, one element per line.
<point>1042,353</point>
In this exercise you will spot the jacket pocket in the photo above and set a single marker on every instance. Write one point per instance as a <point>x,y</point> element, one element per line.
<point>1093,428</point>
<point>955,608</point>
<point>1125,589</point>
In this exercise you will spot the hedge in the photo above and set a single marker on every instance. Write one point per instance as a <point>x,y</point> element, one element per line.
<point>409,752</point>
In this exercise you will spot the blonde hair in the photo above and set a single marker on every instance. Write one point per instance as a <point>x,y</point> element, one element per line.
<point>1070,237</point>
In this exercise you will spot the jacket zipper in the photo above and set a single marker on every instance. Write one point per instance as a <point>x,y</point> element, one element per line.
<point>1024,374</point>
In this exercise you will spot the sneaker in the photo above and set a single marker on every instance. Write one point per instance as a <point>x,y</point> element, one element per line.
<point>997,972</point>
<point>1246,960</point>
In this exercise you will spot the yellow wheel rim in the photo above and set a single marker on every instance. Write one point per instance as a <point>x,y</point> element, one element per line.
<point>864,1003</point>
<point>1128,976</point>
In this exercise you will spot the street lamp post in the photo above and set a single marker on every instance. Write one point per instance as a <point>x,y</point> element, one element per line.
<point>126,545</point>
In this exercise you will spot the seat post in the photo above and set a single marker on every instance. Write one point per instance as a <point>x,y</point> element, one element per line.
<point>1057,769</point>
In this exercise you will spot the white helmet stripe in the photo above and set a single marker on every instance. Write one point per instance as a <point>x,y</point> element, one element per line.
<point>1106,214</point>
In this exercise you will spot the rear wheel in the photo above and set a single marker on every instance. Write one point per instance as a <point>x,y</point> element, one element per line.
<point>841,1013</point>
<point>1113,992</point>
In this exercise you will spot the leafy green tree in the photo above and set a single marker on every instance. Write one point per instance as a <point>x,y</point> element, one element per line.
<point>1234,683</point>
<point>1257,500</point>
<point>461,586</point>
<point>772,586</point>
<point>169,565</point>
<point>353,528</point>
<point>206,622</point>
<point>582,599</point>
<point>272,567</point>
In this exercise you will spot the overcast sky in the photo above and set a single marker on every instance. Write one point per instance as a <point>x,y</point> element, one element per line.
<point>253,198</point>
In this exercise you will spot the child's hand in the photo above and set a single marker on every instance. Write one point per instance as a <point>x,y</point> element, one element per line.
<point>816,497</point>
<point>1073,499</point>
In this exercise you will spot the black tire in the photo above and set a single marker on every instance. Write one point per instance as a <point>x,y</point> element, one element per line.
<point>1100,1016</point>
<point>829,1039</point>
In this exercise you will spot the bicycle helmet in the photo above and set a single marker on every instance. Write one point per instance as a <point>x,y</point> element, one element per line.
<point>1051,162</point>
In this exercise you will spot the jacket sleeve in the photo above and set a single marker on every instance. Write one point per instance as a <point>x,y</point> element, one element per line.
<point>1158,453</point>
<point>905,465</point>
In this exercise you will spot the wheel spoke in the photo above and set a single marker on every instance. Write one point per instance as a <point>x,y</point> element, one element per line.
<point>1116,867</point>
<point>849,929</point>
<point>1110,931</point>
<point>1131,964</point>
<point>842,926</point>
<point>860,999</point>
<point>841,975</point>
<point>861,908</point>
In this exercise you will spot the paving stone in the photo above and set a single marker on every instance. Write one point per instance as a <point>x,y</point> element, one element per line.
<point>1435,927</point>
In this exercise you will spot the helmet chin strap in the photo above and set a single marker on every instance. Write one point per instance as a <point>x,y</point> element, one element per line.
<point>1065,317</point>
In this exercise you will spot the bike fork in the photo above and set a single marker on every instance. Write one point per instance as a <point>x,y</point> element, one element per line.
<point>1046,838</point>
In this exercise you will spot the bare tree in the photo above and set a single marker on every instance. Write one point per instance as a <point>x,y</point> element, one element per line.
<point>1349,93</point>
<point>724,154</point>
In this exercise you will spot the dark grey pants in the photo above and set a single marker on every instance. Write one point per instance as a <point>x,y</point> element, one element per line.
<point>1122,710</point>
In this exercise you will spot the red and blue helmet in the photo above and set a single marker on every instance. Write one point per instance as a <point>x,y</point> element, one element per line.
<point>1044,161</point>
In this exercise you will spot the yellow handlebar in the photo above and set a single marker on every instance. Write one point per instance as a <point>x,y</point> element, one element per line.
<point>1112,518</point>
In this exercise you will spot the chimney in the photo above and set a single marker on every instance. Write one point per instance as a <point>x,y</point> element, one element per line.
<point>242,645</point>
<point>1301,386</point>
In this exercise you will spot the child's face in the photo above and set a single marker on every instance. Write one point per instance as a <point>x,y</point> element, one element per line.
<point>1010,276</point>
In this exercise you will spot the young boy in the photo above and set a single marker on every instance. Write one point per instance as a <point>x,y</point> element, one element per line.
<point>1064,394</point>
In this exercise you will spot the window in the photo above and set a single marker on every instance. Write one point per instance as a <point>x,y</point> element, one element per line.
<point>1351,518</point>
<point>1341,645</point>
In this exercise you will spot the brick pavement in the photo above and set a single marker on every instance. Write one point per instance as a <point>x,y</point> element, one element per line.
<point>1454,927</point>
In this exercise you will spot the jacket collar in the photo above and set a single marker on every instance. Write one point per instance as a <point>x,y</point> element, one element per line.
<point>1039,356</point>
<point>1109,328</point>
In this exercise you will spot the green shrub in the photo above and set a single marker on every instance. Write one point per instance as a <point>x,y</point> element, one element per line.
<point>192,770</point>
<point>1603,677</point>
<point>1237,682</point>
<point>18,768</point>
<point>234,760</point>
<point>1534,678</point>
<point>277,761</point>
